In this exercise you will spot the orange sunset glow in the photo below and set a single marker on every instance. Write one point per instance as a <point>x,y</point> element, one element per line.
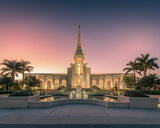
<point>47,36</point>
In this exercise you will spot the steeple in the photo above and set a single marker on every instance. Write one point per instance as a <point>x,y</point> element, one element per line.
<point>79,50</point>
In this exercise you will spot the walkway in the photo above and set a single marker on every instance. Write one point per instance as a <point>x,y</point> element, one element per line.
<point>4,95</point>
<point>80,114</point>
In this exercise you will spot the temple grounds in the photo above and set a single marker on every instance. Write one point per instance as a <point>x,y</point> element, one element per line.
<point>74,114</point>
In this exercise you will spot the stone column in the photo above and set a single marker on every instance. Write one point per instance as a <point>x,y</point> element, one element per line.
<point>97,83</point>
<point>121,82</point>
<point>45,83</point>
<point>103,82</point>
<point>60,82</point>
<point>54,83</point>
<point>112,82</point>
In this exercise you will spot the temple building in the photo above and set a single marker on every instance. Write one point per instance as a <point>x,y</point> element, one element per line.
<point>79,74</point>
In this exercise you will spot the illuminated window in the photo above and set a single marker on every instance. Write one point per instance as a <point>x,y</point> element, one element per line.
<point>79,69</point>
<point>94,83</point>
<point>79,66</point>
<point>64,83</point>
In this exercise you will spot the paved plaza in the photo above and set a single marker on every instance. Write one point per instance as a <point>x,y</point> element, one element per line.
<point>79,114</point>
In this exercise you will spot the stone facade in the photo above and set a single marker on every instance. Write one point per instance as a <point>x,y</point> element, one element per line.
<point>80,74</point>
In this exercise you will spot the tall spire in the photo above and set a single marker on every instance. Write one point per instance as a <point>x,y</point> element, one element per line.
<point>79,50</point>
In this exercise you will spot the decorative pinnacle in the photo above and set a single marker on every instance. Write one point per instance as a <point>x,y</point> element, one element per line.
<point>79,50</point>
<point>78,26</point>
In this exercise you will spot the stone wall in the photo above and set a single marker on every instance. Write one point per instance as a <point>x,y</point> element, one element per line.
<point>69,101</point>
<point>107,81</point>
<point>143,102</point>
<point>139,102</point>
<point>33,102</point>
<point>17,102</point>
<point>51,81</point>
<point>103,81</point>
<point>155,96</point>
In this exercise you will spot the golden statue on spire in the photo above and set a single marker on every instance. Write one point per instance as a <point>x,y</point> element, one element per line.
<point>78,26</point>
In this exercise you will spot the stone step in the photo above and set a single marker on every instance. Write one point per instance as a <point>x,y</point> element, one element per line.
<point>79,126</point>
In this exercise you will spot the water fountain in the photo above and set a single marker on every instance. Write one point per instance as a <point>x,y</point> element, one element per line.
<point>78,94</point>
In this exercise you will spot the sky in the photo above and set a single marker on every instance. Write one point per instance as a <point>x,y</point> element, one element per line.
<point>45,32</point>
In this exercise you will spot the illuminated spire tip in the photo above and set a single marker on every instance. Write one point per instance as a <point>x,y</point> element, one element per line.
<point>78,26</point>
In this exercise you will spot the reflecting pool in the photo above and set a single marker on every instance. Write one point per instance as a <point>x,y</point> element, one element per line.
<point>105,98</point>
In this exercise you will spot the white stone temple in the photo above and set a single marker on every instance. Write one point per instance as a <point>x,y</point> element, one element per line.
<point>79,74</point>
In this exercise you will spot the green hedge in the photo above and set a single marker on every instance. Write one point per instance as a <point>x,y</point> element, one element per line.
<point>151,92</point>
<point>134,93</point>
<point>22,93</point>
<point>6,92</point>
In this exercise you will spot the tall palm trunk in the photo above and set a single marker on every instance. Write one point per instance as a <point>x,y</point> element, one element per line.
<point>145,70</point>
<point>23,80</point>
<point>134,78</point>
<point>13,78</point>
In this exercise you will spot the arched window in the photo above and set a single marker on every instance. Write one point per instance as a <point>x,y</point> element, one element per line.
<point>64,83</point>
<point>94,83</point>
<point>79,66</point>
<point>79,69</point>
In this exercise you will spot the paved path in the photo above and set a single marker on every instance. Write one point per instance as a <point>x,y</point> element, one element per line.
<point>74,114</point>
<point>80,114</point>
<point>4,95</point>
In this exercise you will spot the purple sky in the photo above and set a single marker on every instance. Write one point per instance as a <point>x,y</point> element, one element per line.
<point>113,32</point>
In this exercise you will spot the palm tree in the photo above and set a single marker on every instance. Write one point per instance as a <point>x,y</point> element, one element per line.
<point>12,68</point>
<point>129,81</point>
<point>25,68</point>
<point>5,81</point>
<point>149,81</point>
<point>132,66</point>
<point>146,63</point>
<point>155,81</point>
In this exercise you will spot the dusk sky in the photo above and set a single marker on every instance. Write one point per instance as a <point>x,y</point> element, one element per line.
<point>45,32</point>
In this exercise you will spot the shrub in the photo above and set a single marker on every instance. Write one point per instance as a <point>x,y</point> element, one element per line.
<point>22,93</point>
<point>95,87</point>
<point>61,88</point>
<point>151,92</point>
<point>134,93</point>
<point>6,92</point>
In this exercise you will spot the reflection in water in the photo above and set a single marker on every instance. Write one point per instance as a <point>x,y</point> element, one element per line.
<point>109,99</point>
<point>53,98</point>
<point>158,105</point>
<point>47,99</point>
